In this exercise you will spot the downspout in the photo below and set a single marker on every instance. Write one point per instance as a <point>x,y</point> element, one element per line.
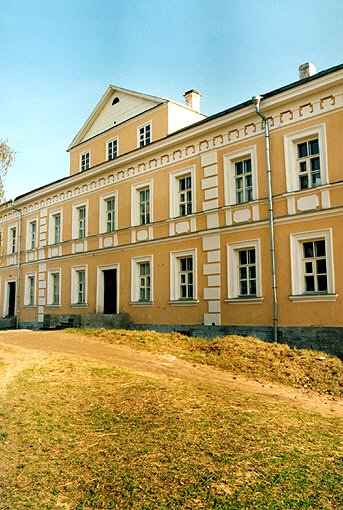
<point>17,300</point>
<point>256,101</point>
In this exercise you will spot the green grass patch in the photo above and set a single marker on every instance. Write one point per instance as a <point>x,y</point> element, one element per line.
<point>84,435</point>
<point>248,356</point>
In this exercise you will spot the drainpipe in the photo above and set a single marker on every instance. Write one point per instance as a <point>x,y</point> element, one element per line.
<point>17,303</point>
<point>256,101</point>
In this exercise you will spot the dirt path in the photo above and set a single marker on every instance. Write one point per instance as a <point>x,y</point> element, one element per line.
<point>21,349</point>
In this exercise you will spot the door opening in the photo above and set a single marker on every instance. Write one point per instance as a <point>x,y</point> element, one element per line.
<point>11,298</point>
<point>110,291</point>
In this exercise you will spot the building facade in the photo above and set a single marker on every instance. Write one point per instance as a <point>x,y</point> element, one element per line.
<point>166,217</point>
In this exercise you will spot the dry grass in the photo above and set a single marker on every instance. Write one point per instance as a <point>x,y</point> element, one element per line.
<point>248,356</point>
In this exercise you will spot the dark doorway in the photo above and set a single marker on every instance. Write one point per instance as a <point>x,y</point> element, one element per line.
<point>11,299</point>
<point>110,291</point>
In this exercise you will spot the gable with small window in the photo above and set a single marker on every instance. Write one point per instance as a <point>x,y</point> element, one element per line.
<point>305,158</point>
<point>240,176</point>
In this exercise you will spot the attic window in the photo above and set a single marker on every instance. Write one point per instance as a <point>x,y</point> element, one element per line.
<point>115,101</point>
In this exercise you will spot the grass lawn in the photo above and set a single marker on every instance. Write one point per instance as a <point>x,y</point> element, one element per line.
<point>78,434</point>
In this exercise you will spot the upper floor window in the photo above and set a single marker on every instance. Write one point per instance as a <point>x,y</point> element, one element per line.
<point>112,149</point>
<point>144,135</point>
<point>305,158</point>
<point>80,221</point>
<point>32,235</point>
<point>144,206</point>
<point>141,204</point>
<point>85,159</point>
<point>12,240</point>
<point>308,163</point>
<point>312,266</point>
<point>240,176</point>
<point>56,218</point>
<point>108,213</point>
<point>182,192</point>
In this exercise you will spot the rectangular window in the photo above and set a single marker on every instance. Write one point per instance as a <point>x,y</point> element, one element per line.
<point>305,158</point>
<point>56,218</point>
<point>243,181</point>
<point>110,215</point>
<point>312,266</point>
<point>185,195</point>
<point>30,290</point>
<point>247,272</point>
<point>244,272</point>
<point>33,235</point>
<point>13,240</point>
<point>144,206</point>
<point>186,278</point>
<point>240,176</point>
<point>144,281</point>
<point>308,162</point>
<point>81,221</point>
<point>144,135</point>
<point>112,149</point>
<point>55,287</point>
<point>80,283</point>
<point>85,161</point>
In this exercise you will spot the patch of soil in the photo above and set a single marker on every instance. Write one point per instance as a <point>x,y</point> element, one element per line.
<point>35,347</point>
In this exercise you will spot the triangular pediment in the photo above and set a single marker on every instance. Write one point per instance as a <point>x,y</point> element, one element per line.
<point>116,106</point>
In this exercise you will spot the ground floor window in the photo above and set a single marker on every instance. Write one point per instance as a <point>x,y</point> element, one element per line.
<point>183,279</point>
<point>79,286</point>
<point>244,270</point>
<point>141,279</point>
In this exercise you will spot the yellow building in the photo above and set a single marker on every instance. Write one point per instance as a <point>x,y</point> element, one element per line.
<point>170,217</point>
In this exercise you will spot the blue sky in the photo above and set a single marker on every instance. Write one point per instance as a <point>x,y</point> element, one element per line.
<point>59,56</point>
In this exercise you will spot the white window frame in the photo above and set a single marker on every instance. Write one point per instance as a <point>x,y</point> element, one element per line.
<point>290,145</point>
<point>27,289</point>
<point>174,205</point>
<point>74,286</point>
<point>52,215</point>
<point>103,211</point>
<point>233,250</point>
<point>75,226</point>
<point>135,204</point>
<point>82,169</point>
<point>297,269</point>
<point>175,257</point>
<point>50,301</point>
<point>135,283</point>
<point>29,237</point>
<point>229,174</point>
<point>12,249</point>
<point>144,126</point>
<point>115,139</point>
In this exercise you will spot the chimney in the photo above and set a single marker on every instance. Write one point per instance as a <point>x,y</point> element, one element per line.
<point>192,98</point>
<point>306,70</point>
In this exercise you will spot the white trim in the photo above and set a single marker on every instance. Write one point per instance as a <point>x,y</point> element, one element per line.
<point>232,271</point>
<point>102,212</point>
<point>175,256</point>
<point>51,272</point>
<point>297,275</point>
<point>135,213</point>
<point>135,262</point>
<point>290,146</point>
<point>229,173</point>
<point>173,191</point>
<point>100,286</point>
<point>74,290</point>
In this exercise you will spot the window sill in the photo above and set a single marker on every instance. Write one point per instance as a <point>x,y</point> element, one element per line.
<point>312,298</point>
<point>183,302</point>
<point>53,306</point>
<point>141,303</point>
<point>78,305</point>
<point>245,300</point>
<point>30,306</point>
